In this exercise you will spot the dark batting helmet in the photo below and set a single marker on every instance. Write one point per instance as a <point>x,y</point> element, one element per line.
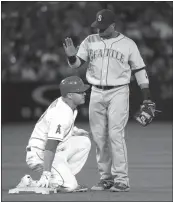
<point>72,84</point>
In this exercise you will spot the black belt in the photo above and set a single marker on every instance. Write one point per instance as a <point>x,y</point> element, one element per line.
<point>107,87</point>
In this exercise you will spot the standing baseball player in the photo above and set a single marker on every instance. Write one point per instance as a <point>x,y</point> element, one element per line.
<point>112,57</point>
<point>56,146</point>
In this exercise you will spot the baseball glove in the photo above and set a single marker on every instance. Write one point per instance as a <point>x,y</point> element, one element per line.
<point>146,113</point>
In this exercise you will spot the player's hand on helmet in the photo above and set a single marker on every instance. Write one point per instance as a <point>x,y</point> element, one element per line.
<point>44,180</point>
<point>69,47</point>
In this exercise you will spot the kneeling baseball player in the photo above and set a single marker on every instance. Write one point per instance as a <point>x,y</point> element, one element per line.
<point>56,147</point>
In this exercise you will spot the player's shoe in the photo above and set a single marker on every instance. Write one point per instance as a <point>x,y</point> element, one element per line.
<point>79,188</point>
<point>104,184</point>
<point>119,187</point>
<point>26,181</point>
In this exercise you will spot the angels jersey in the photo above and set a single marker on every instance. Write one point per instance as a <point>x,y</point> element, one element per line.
<point>56,123</point>
<point>110,60</point>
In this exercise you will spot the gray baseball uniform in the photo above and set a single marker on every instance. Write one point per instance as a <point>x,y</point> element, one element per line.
<point>110,64</point>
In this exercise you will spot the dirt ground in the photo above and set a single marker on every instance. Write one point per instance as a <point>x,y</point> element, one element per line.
<point>149,156</point>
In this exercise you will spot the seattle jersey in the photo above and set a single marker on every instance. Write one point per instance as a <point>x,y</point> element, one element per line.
<point>110,60</point>
<point>56,123</point>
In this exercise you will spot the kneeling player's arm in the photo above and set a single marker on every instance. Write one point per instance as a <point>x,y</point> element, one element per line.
<point>143,82</point>
<point>49,153</point>
<point>75,61</point>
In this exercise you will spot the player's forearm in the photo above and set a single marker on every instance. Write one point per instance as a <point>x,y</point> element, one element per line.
<point>143,82</point>
<point>49,153</point>
<point>48,159</point>
<point>145,91</point>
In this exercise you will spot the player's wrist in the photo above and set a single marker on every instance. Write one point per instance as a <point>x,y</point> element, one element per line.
<point>146,95</point>
<point>72,59</point>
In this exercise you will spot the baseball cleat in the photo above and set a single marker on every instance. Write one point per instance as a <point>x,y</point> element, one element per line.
<point>119,187</point>
<point>79,188</point>
<point>25,181</point>
<point>103,185</point>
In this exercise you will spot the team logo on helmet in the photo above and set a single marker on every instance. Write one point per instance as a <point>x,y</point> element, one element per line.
<point>99,18</point>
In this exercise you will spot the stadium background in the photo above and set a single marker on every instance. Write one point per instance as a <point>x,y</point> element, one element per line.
<point>33,63</point>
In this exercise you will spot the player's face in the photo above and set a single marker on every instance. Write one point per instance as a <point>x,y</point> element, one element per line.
<point>106,33</point>
<point>78,98</point>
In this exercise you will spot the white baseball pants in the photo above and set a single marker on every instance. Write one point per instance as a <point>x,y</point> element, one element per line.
<point>69,159</point>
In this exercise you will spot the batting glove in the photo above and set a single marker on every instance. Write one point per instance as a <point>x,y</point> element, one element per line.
<point>44,180</point>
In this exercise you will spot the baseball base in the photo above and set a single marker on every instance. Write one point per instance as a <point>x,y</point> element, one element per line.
<point>37,190</point>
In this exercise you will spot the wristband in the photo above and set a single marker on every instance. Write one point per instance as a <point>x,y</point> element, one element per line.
<point>146,94</point>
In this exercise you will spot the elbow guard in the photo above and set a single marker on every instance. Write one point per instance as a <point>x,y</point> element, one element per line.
<point>142,77</point>
<point>76,64</point>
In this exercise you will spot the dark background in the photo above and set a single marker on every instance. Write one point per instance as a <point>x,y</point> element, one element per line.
<point>33,60</point>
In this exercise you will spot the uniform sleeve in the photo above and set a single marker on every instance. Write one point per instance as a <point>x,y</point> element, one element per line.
<point>83,50</point>
<point>135,59</point>
<point>57,129</point>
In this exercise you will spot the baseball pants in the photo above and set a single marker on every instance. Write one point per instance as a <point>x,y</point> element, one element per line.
<point>69,159</point>
<point>108,115</point>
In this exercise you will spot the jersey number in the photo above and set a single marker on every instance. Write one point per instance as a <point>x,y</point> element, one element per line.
<point>58,130</point>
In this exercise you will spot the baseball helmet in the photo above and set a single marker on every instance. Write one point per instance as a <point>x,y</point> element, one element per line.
<point>72,84</point>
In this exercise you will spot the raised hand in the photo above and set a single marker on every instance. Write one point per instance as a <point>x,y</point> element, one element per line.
<point>69,47</point>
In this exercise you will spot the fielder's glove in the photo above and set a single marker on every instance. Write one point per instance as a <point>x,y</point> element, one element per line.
<point>44,180</point>
<point>146,113</point>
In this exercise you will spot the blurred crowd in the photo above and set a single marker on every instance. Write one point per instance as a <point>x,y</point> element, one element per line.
<point>32,34</point>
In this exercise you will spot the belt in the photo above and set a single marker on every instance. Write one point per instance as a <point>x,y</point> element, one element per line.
<point>107,87</point>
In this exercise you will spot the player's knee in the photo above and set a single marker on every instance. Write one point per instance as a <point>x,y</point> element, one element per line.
<point>85,143</point>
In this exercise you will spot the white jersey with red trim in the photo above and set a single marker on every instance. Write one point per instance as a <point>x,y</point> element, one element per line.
<point>56,123</point>
<point>110,60</point>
